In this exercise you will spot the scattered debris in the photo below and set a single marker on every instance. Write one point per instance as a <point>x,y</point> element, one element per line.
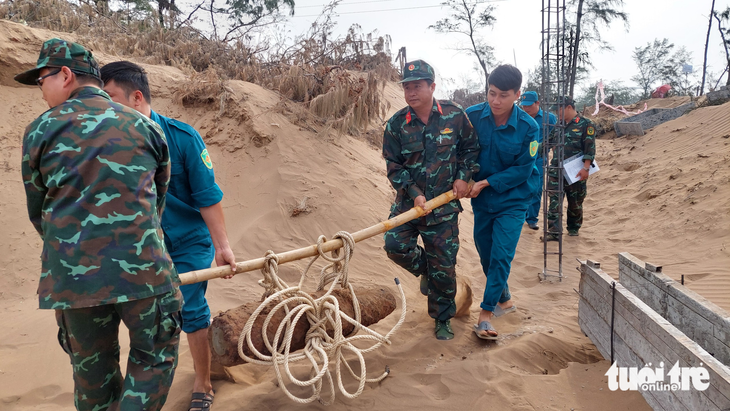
<point>301,208</point>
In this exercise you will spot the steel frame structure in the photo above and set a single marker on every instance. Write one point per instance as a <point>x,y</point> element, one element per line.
<point>553,90</point>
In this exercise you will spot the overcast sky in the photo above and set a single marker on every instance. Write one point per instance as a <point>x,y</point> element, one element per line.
<point>516,34</point>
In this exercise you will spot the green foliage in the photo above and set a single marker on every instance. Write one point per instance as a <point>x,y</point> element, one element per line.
<point>658,62</point>
<point>467,17</point>
<point>622,95</point>
<point>583,35</point>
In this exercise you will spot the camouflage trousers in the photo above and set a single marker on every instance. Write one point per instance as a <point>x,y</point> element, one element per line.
<point>576,193</point>
<point>436,259</point>
<point>90,338</point>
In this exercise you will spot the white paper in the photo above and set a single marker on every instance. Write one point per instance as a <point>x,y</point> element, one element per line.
<point>573,165</point>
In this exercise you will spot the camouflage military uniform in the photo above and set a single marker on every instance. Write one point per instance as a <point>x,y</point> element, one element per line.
<point>95,175</point>
<point>426,160</point>
<point>580,136</point>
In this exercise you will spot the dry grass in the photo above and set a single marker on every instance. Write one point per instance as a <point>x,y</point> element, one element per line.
<point>316,76</point>
<point>352,102</point>
<point>203,89</point>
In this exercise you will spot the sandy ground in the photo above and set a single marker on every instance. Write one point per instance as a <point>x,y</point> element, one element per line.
<point>664,197</point>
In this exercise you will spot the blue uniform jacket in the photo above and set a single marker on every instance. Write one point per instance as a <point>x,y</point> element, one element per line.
<point>552,120</point>
<point>192,185</point>
<point>507,159</point>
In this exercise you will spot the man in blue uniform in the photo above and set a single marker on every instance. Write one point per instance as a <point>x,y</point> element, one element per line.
<point>195,232</point>
<point>505,185</point>
<point>530,103</point>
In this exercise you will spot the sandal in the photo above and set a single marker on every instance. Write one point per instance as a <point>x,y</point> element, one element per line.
<point>201,401</point>
<point>482,330</point>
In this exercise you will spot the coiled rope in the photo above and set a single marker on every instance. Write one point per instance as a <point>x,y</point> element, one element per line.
<point>322,313</point>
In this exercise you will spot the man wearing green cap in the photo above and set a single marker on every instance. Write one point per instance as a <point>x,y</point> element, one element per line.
<point>580,138</point>
<point>530,103</point>
<point>429,148</point>
<point>95,176</point>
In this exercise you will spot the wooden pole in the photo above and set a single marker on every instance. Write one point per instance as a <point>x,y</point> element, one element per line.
<point>310,251</point>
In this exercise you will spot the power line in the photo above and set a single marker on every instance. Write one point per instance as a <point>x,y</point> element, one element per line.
<point>345,3</point>
<point>374,11</point>
<point>374,1</point>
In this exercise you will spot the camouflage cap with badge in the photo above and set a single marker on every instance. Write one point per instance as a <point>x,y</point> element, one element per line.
<point>58,53</point>
<point>562,101</point>
<point>417,70</point>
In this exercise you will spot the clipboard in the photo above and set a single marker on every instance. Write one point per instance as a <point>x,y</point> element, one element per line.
<point>573,165</point>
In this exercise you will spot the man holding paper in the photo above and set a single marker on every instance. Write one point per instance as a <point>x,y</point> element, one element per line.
<point>580,138</point>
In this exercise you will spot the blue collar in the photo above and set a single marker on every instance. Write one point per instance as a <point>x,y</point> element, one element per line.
<point>511,121</point>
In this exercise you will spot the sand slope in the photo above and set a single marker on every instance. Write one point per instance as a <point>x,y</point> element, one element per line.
<point>663,197</point>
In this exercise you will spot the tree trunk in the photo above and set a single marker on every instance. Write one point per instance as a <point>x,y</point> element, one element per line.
<point>707,43</point>
<point>161,13</point>
<point>724,44</point>
<point>486,77</point>
<point>574,64</point>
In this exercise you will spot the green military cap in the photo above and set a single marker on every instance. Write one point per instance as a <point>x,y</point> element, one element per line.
<point>562,101</point>
<point>417,70</point>
<point>59,53</point>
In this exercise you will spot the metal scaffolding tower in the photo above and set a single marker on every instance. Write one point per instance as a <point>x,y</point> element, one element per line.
<point>553,90</point>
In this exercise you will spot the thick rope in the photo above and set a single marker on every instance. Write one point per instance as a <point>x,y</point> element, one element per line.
<point>322,313</point>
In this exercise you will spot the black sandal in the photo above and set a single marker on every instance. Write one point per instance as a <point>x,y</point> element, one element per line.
<point>201,401</point>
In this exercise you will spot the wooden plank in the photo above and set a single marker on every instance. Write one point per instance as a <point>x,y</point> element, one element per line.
<point>692,314</point>
<point>718,394</point>
<point>646,335</point>
<point>624,355</point>
<point>696,327</point>
<point>694,301</point>
<point>714,392</point>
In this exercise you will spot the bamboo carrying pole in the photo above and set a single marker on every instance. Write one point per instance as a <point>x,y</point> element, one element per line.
<point>310,251</point>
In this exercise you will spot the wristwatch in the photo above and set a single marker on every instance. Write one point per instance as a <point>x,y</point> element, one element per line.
<point>587,168</point>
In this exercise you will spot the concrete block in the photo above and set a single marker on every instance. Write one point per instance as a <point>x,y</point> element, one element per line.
<point>650,118</point>
<point>625,128</point>
<point>718,96</point>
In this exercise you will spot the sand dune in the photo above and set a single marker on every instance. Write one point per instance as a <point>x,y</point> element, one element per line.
<point>663,197</point>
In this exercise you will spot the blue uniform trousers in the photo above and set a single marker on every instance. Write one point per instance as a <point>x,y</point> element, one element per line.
<point>533,211</point>
<point>496,236</point>
<point>195,309</point>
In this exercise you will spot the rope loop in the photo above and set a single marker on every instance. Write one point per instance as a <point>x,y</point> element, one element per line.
<point>325,342</point>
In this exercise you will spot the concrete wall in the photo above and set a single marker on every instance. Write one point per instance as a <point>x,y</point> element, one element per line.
<point>641,336</point>
<point>653,117</point>
<point>698,318</point>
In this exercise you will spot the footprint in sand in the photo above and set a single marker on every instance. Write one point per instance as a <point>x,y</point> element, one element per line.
<point>431,386</point>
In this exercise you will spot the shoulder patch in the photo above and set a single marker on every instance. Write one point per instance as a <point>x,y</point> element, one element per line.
<point>206,159</point>
<point>590,130</point>
<point>533,148</point>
